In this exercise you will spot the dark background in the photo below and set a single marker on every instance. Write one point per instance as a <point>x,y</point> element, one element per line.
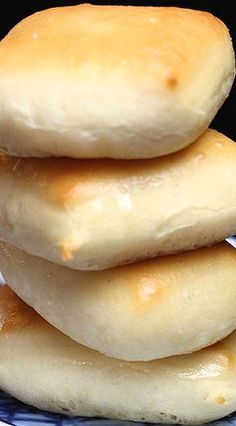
<point>12,11</point>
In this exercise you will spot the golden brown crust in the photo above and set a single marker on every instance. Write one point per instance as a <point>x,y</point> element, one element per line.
<point>222,355</point>
<point>125,39</point>
<point>14,313</point>
<point>66,181</point>
<point>151,281</point>
<point>220,400</point>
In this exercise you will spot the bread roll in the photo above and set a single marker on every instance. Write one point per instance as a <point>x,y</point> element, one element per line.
<point>92,215</point>
<point>121,82</point>
<point>42,367</point>
<point>153,309</point>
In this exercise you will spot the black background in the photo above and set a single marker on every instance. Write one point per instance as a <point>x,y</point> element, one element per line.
<point>12,11</point>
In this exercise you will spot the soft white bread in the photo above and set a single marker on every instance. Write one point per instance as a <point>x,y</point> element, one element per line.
<point>95,214</point>
<point>41,366</point>
<point>153,309</point>
<point>111,81</point>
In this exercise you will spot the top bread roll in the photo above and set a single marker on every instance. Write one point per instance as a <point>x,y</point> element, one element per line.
<point>111,81</point>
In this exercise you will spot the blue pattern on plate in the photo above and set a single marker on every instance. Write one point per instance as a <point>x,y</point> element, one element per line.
<point>232,241</point>
<point>16,413</point>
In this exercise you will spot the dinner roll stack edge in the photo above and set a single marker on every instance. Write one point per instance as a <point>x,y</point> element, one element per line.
<point>115,203</point>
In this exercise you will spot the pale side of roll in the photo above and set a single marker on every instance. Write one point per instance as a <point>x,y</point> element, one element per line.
<point>42,367</point>
<point>92,215</point>
<point>120,82</point>
<point>153,309</point>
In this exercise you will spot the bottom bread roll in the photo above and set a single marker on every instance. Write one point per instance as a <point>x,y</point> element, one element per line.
<point>41,366</point>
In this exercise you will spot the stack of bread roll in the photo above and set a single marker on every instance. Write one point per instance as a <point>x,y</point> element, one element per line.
<point>121,293</point>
